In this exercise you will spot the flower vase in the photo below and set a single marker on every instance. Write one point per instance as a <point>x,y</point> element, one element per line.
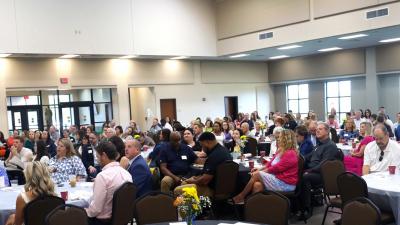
<point>190,219</point>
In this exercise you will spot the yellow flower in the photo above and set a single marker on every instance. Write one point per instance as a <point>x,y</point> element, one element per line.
<point>137,136</point>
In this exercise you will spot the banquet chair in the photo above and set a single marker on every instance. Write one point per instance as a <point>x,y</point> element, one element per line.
<point>155,207</point>
<point>371,215</point>
<point>294,195</point>
<point>123,206</point>
<point>352,186</point>
<point>35,212</point>
<point>267,208</point>
<point>251,146</point>
<point>330,170</point>
<point>64,214</point>
<point>225,183</point>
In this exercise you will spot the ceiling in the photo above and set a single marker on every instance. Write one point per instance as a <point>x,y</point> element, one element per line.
<point>308,48</point>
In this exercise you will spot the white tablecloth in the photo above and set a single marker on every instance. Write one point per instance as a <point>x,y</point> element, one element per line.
<point>345,148</point>
<point>78,196</point>
<point>384,190</point>
<point>146,153</point>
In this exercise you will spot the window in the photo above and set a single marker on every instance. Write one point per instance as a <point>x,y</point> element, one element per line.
<point>298,99</point>
<point>338,96</point>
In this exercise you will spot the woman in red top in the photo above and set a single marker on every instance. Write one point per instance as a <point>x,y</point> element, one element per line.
<point>280,174</point>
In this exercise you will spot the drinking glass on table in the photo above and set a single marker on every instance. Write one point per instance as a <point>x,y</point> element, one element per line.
<point>72,180</point>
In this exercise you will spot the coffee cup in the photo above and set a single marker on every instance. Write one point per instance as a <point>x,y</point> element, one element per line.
<point>392,170</point>
<point>64,195</point>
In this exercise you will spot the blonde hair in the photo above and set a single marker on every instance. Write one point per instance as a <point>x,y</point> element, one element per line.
<point>38,179</point>
<point>368,129</point>
<point>287,140</point>
<point>70,151</point>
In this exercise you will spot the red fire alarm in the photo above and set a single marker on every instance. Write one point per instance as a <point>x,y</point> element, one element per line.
<point>64,80</point>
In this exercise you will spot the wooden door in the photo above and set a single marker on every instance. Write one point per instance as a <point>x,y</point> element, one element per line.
<point>231,106</point>
<point>168,108</point>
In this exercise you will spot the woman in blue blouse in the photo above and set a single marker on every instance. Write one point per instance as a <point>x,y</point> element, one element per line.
<point>303,140</point>
<point>349,131</point>
<point>66,163</point>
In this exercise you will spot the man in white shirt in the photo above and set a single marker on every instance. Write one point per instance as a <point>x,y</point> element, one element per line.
<point>106,183</point>
<point>381,153</point>
<point>357,119</point>
<point>19,156</point>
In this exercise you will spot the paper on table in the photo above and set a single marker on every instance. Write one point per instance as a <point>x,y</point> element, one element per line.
<point>178,223</point>
<point>241,223</point>
<point>225,224</point>
<point>247,155</point>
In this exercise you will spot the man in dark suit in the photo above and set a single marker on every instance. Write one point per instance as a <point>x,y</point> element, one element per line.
<point>89,157</point>
<point>138,167</point>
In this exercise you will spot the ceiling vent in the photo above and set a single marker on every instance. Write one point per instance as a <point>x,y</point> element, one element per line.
<point>377,13</point>
<point>265,35</point>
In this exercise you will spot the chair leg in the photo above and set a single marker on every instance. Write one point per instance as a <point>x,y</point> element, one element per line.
<point>326,212</point>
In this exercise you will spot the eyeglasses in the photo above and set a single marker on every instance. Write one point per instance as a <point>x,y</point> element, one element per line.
<point>381,157</point>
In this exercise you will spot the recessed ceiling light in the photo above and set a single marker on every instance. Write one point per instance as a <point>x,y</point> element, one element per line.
<point>4,55</point>
<point>389,40</point>
<point>279,57</point>
<point>329,49</point>
<point>180,57</point>
<point>68,56</point>
<point>128,56</point>
<point>353,36</point>
<point>289,47</point>
<point>238,56</point>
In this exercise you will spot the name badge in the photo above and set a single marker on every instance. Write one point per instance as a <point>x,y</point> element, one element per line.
<point>184,157</point>
<point>90,151</point>
<point>346,135</point>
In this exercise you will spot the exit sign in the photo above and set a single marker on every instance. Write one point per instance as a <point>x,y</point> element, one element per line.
<point>64,80</point>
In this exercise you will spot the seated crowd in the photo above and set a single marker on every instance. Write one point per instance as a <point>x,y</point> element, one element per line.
<point>113,157</point>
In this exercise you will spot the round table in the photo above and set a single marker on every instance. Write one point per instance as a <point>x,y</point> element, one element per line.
<point>78,196</point>
<point>346,149</point>
<point>206,222</point>
<point>384,190</point>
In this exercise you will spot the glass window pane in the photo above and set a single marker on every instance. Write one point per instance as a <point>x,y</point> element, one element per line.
<point>101,95</point>
<point>345,88</point>
<point>17,121</point>
<point>102,112</point>
<point>332,89</point>
<point>68,117</point>
<point>32,100</point>
<point>342,117</point>
<point>77,95</point>
<point>17,100</point>
<point>98,127</point>
<point>294,106</point>
<point>84,115</point>
<point>9,117</point>
<point>345,104</point>
<point>303,105</point>
<point>332,103</point>
<point>293,91</point>
<point>64,98</point>
<point>33,120</point>
<point>303,91</point>
<point>8,101</point>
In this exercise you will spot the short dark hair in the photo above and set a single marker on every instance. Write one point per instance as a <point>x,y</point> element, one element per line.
<point>302,130</point>
<point>107,148</point>
<point>190,130</point>
<point>20,138</point>
<point>207,136</point>
<point>331,116</point>
<point>119,144</point>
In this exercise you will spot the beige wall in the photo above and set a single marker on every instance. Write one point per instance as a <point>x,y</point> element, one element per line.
<point>237,17</point>
<point>233,72</point>
<point>345,23</point>
<point>388,58</point>
<point>329,7</point>
<point>348,62</point>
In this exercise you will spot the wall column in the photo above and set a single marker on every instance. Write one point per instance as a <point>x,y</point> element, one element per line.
<point>371,80</point>
<point>3,98</point>
<point>121,68</point>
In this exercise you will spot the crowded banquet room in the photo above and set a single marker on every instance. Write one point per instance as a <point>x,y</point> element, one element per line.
<point>200,112</point>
